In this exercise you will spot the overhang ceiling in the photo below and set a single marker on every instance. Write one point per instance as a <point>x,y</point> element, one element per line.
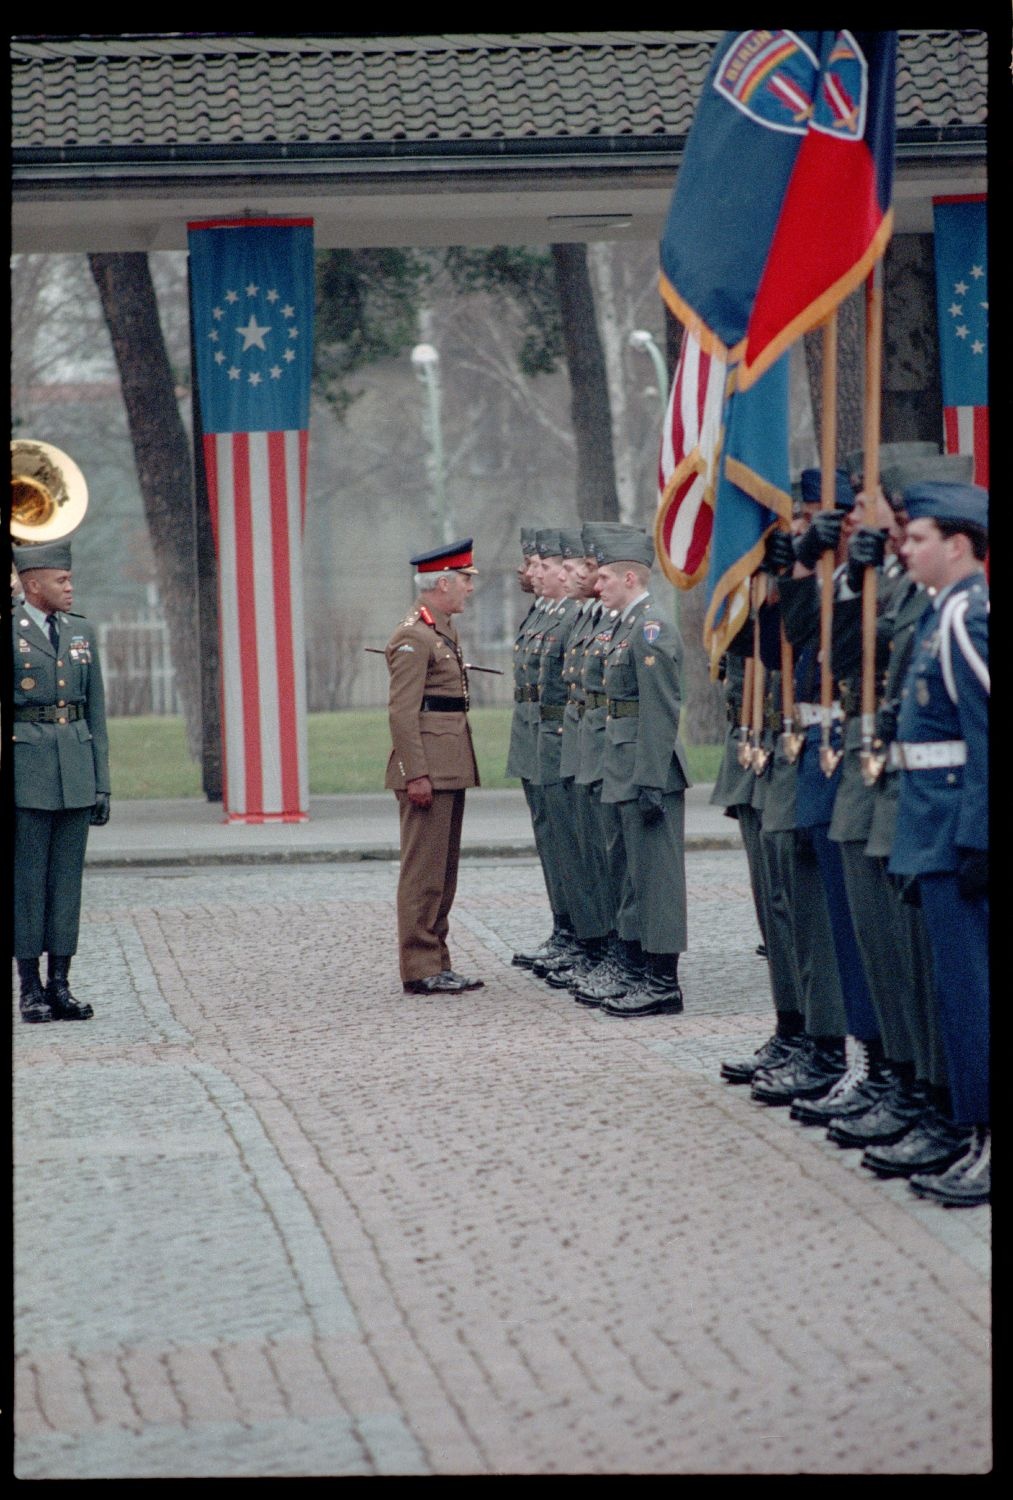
<point>476,140</point>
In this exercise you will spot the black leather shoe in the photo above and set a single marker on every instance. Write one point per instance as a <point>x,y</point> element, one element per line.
<point>445,983</point>
<point>968,1183</point>
<point>609,984</point>
<point>931,1145</point>
<point>775,1050</point>
<point>64,1005</point>
<point>856,1091</point>
<point>809,1073</point>
<point>469,984</point>
<point>889,1119</point>
<point>564,958</point>
<point>653,997</point>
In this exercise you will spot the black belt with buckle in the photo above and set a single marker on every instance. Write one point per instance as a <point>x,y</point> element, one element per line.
<point>623,708</point>
<point>50,714</point>
<point>435,705</point>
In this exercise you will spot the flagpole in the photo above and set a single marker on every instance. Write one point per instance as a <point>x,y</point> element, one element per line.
<point>829,757</point>
<point>870,485</point>
<point>743,755</point>
<point>758,756</point>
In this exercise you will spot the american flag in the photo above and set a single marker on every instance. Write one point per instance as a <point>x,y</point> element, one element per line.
<point>961,252</point>
<point>687,464</point>
<point>251,295</point>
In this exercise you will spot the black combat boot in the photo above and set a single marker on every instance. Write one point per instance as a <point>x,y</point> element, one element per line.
<point>561,929</point>
<point>812,1070</point>
<point>968,1183</point>
<point>931,1145</point>
<point>590,952</point>
<point>854,1093</point>
<point>61,1002</point>
<point>33,1004</point>
<point>774,1051</point>
<point>626,973</point>
<point>898,1108</point>
<point>658,993</point>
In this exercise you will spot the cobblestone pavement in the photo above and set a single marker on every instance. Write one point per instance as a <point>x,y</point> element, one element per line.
<point>274,1217</point>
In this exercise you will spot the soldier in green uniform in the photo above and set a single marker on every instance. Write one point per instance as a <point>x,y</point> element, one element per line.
<point>522,755</point>
<point>592,906</point>
<point>645,771</point>
<point>61,776</point>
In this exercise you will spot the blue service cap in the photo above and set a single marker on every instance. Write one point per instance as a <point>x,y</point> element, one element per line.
<point>812,489</point>
<point>966,503</point>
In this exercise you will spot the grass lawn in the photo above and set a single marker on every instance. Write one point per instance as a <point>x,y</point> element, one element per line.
<point>347,753</point>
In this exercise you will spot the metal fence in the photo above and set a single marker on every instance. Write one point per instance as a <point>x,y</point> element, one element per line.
<point>340,672</point>
<point>137,666</point>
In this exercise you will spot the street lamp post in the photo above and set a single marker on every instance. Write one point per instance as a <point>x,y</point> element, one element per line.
<point>425,360</point>
<point>643,341</point>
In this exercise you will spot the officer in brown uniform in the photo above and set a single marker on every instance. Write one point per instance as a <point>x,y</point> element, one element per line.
<point>431,764</point>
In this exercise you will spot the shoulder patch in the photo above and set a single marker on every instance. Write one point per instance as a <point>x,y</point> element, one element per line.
<point>652,629</point>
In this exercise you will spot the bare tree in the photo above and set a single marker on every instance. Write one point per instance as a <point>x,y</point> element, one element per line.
<point>162,454</point>
<point>597,498</point>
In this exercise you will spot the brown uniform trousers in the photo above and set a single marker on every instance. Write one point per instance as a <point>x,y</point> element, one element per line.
<point>425,663</point>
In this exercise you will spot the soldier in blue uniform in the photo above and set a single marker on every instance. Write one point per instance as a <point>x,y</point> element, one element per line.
<point>61,776</point>
<point>941,839</point>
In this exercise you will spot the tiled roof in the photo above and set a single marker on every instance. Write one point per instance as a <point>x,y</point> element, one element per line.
<point>165,93</point>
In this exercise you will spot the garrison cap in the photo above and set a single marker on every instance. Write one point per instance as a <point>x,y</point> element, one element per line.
<point>618,543</point>
<point>571,540</point>
<point>812,488</point>
<point>963,503</point>
<point>529,535</point>
<point>42,555</point>
<point>889,454</point>
<point>455,557</point>
<point>547,543</point>
<point>934,468</point>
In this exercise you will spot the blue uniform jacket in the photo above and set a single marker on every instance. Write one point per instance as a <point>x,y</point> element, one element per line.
<point>945,697</point>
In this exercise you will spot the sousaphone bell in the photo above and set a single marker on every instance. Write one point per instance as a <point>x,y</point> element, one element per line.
<point>49,495</point>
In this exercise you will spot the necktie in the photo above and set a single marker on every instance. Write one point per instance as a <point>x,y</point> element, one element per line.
<point>54,631</point>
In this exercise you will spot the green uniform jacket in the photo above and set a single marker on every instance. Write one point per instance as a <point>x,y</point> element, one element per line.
<point>643,664</point>
<point>592,687</point>
<point>582,633</point>
<point>552,690</point>
<point>522,756</point>
<point>59,765</point>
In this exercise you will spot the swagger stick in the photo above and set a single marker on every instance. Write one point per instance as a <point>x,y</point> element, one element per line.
<point>829,757</point>
<point>871,764</point>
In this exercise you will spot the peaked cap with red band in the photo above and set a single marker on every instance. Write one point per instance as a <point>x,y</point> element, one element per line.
<point>453,558</point>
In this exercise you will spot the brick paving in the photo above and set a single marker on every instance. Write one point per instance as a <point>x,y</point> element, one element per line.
<point>274,1217</point>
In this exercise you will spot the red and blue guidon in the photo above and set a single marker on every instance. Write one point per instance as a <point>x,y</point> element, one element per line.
<point>770,76</point>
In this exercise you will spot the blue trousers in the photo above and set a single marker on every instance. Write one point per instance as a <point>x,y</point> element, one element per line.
<point>958,937</point>
<point>862,1022</point>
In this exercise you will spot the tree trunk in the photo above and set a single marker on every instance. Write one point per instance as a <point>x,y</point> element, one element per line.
<point>614,332</point>
<point>597,499</point>
<point>162,455</point>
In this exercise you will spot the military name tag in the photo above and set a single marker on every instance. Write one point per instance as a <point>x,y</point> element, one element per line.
<point>27,683</point>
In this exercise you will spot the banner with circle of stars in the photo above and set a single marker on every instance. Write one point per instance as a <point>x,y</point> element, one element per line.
<point>251,302</point>
<point>961,255</point>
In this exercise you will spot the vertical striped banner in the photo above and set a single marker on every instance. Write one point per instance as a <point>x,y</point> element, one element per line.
<point>252,306</point>
<point>961,254</point>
